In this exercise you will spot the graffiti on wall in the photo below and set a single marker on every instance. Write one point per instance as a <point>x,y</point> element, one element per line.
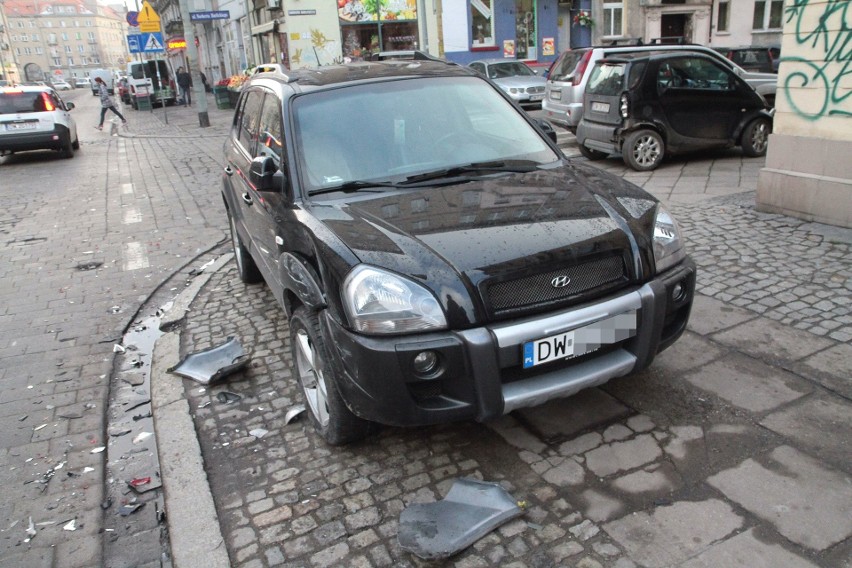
<point>812,79</point>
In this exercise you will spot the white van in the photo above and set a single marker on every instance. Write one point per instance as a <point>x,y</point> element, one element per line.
<point>152,79</point>
<point>107,78</point>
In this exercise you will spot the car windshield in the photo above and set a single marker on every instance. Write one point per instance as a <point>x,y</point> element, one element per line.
<point>513,69</point>
<point>398,130</point>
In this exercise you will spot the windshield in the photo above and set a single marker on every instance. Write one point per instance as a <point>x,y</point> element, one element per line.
<point>394,130</point>
<point>513,69</point>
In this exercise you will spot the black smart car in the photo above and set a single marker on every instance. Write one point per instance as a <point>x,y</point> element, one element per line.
<point>648,106</point>
<point>437,256</point>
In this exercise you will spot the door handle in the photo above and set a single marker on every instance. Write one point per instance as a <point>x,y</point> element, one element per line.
<point>247,198</point>
<point>229,171</point>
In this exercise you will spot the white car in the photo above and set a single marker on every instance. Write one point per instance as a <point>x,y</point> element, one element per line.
<point>515,78</point>
<point>62,85</point>
<point>82,82</point>
<point>36,118</point>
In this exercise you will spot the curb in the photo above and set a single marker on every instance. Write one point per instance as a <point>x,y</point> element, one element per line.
<point>194,532</point>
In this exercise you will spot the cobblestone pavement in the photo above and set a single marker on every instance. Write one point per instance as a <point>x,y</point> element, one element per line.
<point>715,456</point>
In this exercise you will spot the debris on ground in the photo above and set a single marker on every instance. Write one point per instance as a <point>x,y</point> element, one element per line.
<point>471,510</point>
<point>71,526</point>
<point>294,414</point>
<point>141,437</point>
<point>31,531</point>
<point>209,365</point>
<point>228,397</point>
<point>259,432</point>
<point>129,509</point>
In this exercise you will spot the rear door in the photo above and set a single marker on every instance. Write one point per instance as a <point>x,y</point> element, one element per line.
<point>699,98</point>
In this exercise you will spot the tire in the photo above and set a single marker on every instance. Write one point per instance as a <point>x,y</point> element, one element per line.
<point>311,366</point>
<point>246,267</point>
<point>76,143</point>
<point>67,149</point>
<point>592,155</point>
<point>756,137</point>
<point>643,150</point>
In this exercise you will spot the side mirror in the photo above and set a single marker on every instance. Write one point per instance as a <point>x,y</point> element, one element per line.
<point>264,175</point>
<point>69,106</point>
<point>547,128</point>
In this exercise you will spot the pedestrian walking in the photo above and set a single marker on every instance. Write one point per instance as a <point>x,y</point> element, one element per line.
<point>106,103</point>
<point>184,81</point>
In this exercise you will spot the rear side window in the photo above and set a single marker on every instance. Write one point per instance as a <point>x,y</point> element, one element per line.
<point>607,79</point>
<point>566,65</point>
<point>19,102</point>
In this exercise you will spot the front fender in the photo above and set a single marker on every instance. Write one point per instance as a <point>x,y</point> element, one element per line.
<point>768,114</point>
<point>300,279</point>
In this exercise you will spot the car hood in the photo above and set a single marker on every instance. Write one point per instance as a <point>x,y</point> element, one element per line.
<point>521,81</point>
<point>459,239</point>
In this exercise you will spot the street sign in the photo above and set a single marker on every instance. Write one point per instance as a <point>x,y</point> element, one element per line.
<point>132,20</point>
<point>149,20</point>
<point>152,42</point>
<point>207,16</point>
<point>134,43</point>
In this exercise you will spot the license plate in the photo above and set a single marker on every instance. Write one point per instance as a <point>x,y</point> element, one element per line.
<point>536,97</point>
<point>556,95</point>
<point>579,341</point>
<point>21,125</point>
<point>600,107</point>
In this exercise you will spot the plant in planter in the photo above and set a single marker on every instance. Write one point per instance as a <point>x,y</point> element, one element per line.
<point>584,18</point>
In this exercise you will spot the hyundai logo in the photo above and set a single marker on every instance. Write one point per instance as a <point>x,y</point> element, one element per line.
<point>560,281</point>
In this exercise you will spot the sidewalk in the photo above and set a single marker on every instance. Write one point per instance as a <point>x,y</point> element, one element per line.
<point>734,446</point>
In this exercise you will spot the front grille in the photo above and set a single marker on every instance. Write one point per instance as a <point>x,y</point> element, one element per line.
<point>537,290</point>
<point>535,90</point>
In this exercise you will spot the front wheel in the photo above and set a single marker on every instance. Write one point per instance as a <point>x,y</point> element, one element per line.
<point>246,267</point>
<point>643,150</point>
<point>756,137</point>
<point>311,365</point>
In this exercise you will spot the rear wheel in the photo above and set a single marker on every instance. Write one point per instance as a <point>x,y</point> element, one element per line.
<point>330,415</point>
<point>643,150</point>
<point>76,143</point>
<point>246,266</point>
<point>67,149</point>
<point>756,137</point>
<point>593,155</point>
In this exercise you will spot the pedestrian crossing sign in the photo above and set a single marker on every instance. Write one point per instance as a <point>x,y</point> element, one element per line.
<point>152,42</point>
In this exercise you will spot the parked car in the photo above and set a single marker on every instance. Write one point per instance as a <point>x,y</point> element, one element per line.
<point>647,106</point>
<point>82,82</point>
<point>123,90</point>
<point>750,58</point>
<point>437,256</point>
<point>566,81</point>
<point>36,118</point>
<point>515,78</point>
<point>62,85</point>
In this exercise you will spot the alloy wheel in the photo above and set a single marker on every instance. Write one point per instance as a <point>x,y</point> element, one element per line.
<point>311,377</point>
<point>760,137</point>
<point>646,151</point>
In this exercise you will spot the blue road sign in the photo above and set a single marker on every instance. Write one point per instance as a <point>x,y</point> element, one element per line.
<point>152,42</point>
<point>133,19</point>
<point>134,43</point>
<point>207,16</point>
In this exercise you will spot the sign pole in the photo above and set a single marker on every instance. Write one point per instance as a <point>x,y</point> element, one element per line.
<point>194,70</point>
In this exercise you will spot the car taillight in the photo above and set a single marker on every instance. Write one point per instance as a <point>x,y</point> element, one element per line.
<point>48,104</point>
<point>625,105</point>
<point>581,68</point>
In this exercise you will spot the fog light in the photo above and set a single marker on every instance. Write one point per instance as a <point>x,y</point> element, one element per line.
<point>425,362</point>
<point>678,292</point>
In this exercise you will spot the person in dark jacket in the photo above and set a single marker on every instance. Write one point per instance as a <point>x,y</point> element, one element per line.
<point>184,81</point>
<point>106,103</point>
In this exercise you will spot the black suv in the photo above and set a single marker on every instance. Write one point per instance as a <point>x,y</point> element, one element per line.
<point>647,106</point>
<point>437,256</point>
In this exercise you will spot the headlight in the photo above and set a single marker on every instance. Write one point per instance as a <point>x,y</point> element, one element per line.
<point>668,244</point>
<point>378,302</point>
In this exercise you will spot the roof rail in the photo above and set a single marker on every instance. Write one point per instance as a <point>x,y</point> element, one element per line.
<point>270,68</point>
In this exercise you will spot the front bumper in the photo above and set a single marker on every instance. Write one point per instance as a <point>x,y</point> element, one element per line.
<point>481,375</point>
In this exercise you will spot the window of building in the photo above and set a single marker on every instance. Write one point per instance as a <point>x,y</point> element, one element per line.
<point>613,13</point>
<point>25,37</point>
<point>78,36</point>
<point>70,61</point>
<point>91,35</point>
<point>39,51</point>
<point>88,23</point>
<point>64,36</point>
<point>768,15</point>
<point>526,46</point>
<point>48,24</point>
<point>35,37</point>
<point>481,23</point>
<point>62,23</point>
<point>27,51</point>
<point>57,62</point>
<point>67,49</point>
<point>17,51</point>
<point>385,29</point>
<point>723,16</point>
<point>81,48</point>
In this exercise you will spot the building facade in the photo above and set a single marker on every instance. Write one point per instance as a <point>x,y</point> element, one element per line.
<point>64,39</point>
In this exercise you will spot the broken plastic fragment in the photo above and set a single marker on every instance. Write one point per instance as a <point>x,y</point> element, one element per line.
<point>228,397</point>
<point>212,364</point>
<point>141,437</point>
<point>39,427</point>
<point>71,526</point>
<point>31,531</point>
<point>118,348</point>
<point>98,450</point>
<point>259,432</point>
<point>470,510</point>
<point>88,469</point>
<point>139,481</point>
<point>129,509</point>
<point>294,413</point>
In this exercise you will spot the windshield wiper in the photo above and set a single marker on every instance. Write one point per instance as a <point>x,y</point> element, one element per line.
<point>354,185</point>
<point>515,166</point>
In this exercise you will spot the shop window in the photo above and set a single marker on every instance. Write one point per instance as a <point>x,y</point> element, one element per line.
<point>525,34</point>
<point>371,27</point>
<point>481,23</point>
